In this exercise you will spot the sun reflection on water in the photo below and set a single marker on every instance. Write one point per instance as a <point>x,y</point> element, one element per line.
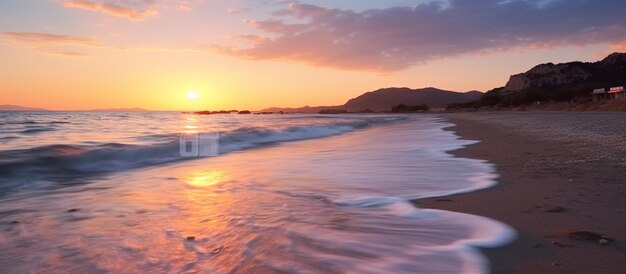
<point>206,178</point>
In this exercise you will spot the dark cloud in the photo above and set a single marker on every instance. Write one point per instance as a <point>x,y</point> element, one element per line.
<point>397,38</point>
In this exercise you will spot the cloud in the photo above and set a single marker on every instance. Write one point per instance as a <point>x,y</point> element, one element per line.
<point>65,53</point>
<point>132,9</point>
<point>135,10</point>
<point>51,43</point>
<point>74,46</point>
<point>35,38</point>
<point>186,5</point>
<point>621,47</point>
<point>396,38</point>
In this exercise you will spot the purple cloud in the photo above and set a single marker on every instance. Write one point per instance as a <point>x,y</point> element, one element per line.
<point>397,38</point>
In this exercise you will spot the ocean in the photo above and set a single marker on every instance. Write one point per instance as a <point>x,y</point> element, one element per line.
<point>117,192</point>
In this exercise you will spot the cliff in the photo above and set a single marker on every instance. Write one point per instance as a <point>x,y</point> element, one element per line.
<point>551,77</point>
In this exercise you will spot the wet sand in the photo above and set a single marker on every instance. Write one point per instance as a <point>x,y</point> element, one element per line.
<point>559,173</point>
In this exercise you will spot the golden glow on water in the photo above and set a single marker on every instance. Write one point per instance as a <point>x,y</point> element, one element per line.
<point>206,178</point>
<point>190,126</point>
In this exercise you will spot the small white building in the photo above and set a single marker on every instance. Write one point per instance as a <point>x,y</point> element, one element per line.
<point>614,93</point>
<point>617,93</point>
<point>599,94</point>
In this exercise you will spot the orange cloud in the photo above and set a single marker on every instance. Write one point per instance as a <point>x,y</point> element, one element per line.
<point>614,47</point>
<point>65,53</point>
<point>621,47</point>
<point>36,38</point>
<point>51,43</point>
<point>136,11</point>
<point>68,45</point>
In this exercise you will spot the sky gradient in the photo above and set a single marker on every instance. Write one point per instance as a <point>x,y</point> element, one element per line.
<point>244,54</point>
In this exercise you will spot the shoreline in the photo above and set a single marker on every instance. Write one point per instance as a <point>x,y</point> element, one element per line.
<point>549,187</point>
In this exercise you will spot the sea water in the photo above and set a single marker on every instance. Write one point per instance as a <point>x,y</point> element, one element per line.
<point>91,192</point>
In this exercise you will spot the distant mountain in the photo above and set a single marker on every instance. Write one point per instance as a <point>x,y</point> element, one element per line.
<point>306,109</point>
<point>19,108</point>
<point>119,109</point>
<point>384,99</point>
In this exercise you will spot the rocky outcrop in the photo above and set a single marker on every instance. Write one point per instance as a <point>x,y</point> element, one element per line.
<point>548,75</point>
<point>609,71</point>
<point>614,60</point>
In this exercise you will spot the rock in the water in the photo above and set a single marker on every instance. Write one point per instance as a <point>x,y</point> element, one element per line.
<point>556,264</point>
<point>191,238</point>
<point>603,241</point>
<point>73,210</point>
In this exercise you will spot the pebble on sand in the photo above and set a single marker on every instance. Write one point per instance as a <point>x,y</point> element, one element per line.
<point>554,209</point>
<point>582,235</point>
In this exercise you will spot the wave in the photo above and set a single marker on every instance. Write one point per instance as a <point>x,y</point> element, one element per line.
<point>27,122</point>
<point>36,130</point>
<point>8,138</point>
<point>64,163</point>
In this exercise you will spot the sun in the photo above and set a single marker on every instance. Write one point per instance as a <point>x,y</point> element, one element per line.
<point>192,95</point>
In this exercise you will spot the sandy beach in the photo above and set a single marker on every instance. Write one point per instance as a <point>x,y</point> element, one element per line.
<point>561,176</point>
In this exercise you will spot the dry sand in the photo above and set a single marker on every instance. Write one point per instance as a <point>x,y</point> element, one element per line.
<point>560,172</point>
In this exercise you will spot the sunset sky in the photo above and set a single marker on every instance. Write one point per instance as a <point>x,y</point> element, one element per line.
<point>244,54</point>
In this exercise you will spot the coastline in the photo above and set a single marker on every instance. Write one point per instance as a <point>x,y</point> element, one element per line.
<point>555,178</point>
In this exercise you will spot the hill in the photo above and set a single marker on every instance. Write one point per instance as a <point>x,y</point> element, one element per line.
<point>384,99</point>
<point>306,109</point>
<point>119,110</point>
<point>19,108</point>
